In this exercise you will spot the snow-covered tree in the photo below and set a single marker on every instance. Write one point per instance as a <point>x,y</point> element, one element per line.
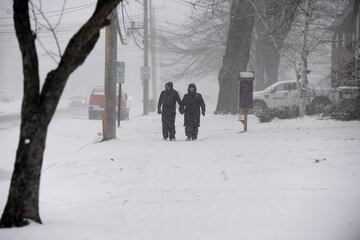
<point>39,105</point>
<point>310,34</point>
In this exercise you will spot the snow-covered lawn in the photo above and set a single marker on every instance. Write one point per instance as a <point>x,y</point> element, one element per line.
<point>12,107</point>
<point>287,179</point>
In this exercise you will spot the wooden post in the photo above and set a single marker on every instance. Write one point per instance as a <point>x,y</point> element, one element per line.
<point>153,52</point>
<point>244,112</point>
<point>109,121</point>
<point>119,105</point>
<point>146,59</point>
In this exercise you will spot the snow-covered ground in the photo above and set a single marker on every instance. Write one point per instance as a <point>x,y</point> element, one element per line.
<point>287,179</point>
<point>13,108</point>
<point>7,108</point>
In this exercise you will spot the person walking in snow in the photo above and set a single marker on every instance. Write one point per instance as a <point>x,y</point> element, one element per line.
<point>167,108</point>
<point>192,103</point>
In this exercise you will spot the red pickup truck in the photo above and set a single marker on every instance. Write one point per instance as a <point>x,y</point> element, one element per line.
<point>97,104</point>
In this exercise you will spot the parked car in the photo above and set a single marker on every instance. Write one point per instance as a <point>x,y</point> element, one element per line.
<point>285,94</point>
<point>77,102</point>
<point>277,95</point>
<point>97,104</point>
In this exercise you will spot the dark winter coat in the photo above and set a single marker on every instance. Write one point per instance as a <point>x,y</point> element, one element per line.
<point>192,103</point>
<point>167,103</point>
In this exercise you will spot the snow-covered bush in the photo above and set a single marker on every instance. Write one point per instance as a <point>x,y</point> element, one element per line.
<point>265,115</point>
<point>348,110</point>
<point>286,112</point>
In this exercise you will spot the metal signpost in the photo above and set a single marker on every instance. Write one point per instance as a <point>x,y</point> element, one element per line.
<point>145,76</point>
<point>120,79</point>
<point>246,88</point>
<point>145,73</point>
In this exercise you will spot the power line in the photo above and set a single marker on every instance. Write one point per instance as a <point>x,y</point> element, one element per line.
<point>65,10</point>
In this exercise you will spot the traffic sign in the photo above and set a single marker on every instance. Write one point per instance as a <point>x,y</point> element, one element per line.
<point>120,72</point>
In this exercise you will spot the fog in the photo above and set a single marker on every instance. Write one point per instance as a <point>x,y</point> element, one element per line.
<point>91,73</point>
<point>169,16</point>
<point>253,156</point>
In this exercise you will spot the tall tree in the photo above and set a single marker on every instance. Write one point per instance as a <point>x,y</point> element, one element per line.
<point>272,25</point>
<point>39,105</point>
<point>237,54</point>
<point>195,49</point>
<point>310,34</point>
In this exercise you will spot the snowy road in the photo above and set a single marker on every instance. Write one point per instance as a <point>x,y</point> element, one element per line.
<point>288,179</point>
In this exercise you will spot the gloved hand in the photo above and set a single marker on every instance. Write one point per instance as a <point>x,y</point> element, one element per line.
<point>203,113</point>
<point>159,111</point>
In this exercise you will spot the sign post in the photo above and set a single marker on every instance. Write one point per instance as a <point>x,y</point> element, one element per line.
<point>145,72</point>
<point>120,79</point>
<point>246,88</point>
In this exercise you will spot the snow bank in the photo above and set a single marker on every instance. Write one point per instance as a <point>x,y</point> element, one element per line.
<point>288,179</point>
<point>12,108</point>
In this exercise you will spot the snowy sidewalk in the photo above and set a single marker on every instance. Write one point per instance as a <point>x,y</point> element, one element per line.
<point>287,179</point>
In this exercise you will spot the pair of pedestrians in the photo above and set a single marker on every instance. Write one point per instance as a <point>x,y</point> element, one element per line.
<point>191,105</point>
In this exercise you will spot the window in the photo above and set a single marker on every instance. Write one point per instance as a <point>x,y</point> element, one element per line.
<point>281,87</point>
<point>292,86</point>
<point>288,87</point>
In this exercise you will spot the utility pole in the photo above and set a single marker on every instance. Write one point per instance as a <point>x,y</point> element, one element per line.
<point>153,55</point>
<point>109,117</point>
<point>146,59</point>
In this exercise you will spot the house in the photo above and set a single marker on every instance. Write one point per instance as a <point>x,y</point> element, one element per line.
<point>345,64</point>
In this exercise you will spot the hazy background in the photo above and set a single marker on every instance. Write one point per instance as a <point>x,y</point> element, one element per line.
<point>91,73</point>
<point>169,15</point>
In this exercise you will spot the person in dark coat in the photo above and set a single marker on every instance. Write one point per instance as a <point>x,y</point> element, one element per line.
<point>192,103</point>
<point>167,109</point>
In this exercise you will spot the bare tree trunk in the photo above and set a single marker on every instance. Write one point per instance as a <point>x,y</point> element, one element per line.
<point>272,27</point>
<point>267,63</point>
<point>260,72</point>
<point>23,199</point>
<point>38,107</point>
<point>272,66</point>
<point>146,58</point>
<point>304,58</point>
<point>236,56</point>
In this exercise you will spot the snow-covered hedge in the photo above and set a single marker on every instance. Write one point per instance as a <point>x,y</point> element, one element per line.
<point>287,112</point>
<point>348,110</point>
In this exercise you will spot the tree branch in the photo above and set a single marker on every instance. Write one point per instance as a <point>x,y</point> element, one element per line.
<point>26,38</point>
<point>77,50</point>
<point>51,28</point>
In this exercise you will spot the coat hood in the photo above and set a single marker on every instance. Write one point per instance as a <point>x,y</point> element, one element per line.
<point>191,85</point>
<point>170,84</point>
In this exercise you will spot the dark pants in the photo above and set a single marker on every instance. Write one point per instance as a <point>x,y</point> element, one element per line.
<point>168,129</point>
<point>168,124</point>
<point>191,132</point>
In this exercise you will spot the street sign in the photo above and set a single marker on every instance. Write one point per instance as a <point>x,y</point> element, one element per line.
<point>120,72</point>
<point>145,73</point>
